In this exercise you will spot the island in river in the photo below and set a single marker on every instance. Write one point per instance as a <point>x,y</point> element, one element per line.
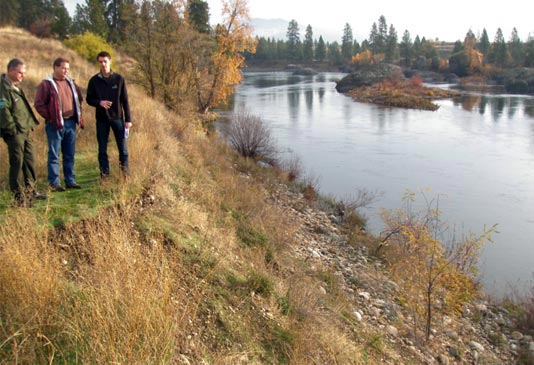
<point>385,84</point>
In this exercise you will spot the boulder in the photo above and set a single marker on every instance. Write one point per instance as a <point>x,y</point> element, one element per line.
<point>369,75</point>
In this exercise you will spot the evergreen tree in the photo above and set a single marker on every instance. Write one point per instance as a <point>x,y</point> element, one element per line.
<point>406,48</point>
<point>9,12</point>
<point>499,52</point>
<point>346,43</point>
<point>89,17</point>
<point>515,47</point>
<point>320,51</point>
<point>458,47</point>
<point>198,15</point>
<point>334,54</point>
<point>356,47</point>
<point>392,50</point>
<point>529,52</point>
<point>308,44</point>
<point>373,38</point>
<point>484,43</point>
<point>293,41</point>
<point>417,47</point>
<point>382,34</point>
<point>61,19</point>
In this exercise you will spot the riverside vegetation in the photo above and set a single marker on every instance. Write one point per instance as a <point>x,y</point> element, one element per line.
<point>205,257</point>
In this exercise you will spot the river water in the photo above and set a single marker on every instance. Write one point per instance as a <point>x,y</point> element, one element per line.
<point>475,155</point>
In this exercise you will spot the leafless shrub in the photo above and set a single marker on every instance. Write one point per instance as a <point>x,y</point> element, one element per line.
<point>249,135</point>
<point>293,167</point>
<point>310,187</point>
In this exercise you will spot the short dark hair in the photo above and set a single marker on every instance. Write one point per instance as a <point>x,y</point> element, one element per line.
<point>103,54</point>
<point>14,63</point>
<point>58,61</point>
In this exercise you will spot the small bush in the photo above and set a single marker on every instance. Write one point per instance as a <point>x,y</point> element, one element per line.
<point>88,45</point>
<point>251,137</point>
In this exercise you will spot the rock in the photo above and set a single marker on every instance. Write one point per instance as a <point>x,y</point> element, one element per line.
<point>531,347</point>
<point>516,335</point>
<point>476,346</point>
<point>305,71</point>
<point>369,75</point>
<point>364,295</point>
<point>314,253</point>
<point>392,331</point>
<point>358,316</point>
<point>474,354</point>
<point>453,352</point>
<point>482,307</point>
<point>443,359</point>
<point>322,290</point>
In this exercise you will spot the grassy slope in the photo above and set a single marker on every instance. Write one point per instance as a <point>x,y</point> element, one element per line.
<point>187,263</point>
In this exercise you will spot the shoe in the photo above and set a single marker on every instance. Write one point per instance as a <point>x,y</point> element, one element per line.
<point>57,187</point>
<point>39,196</point>
<point>74,186</point>
<point>22,202</point>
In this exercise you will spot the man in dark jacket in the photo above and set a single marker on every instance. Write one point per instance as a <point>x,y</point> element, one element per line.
<point>58,100</point>
<point>107,92</point>
<point>16,122</point>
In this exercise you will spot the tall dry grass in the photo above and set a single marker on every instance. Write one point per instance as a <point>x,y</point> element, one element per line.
<point>190,264</point>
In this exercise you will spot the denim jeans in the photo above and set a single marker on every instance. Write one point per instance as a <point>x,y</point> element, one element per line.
<point>102,135</point>
<point>63,141</point>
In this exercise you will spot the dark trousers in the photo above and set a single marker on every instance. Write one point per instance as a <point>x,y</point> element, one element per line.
<point>21,162</point>
<point>102,135</point>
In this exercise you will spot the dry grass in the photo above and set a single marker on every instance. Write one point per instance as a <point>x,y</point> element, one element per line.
<point>187,263</point>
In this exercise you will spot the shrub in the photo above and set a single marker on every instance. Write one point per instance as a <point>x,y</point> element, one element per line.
<point>251,137</point>
<point>88,45</point>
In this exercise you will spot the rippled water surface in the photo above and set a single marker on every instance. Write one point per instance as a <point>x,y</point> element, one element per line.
<point>476,154</point>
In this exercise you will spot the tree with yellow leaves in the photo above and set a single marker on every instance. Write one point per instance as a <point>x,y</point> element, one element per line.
<point>435,274</point>
<point>233,38</point>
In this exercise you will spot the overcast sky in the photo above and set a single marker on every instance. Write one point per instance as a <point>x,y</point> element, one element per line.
<point>447,20</point>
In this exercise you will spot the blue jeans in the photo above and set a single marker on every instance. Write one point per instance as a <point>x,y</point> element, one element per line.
<point>63,141</point>
<point>102,135</point>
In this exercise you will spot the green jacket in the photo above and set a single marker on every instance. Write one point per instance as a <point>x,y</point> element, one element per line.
<point>16,114</point>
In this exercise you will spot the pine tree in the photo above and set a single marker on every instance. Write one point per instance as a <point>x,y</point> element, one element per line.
<point>320,51</point>
<point>484,43</point>
<point>392,50</point>
<point>406,48</point>
<point>346,43</point>
<point>293,41</point>
<point>515,48</point>
<point>9,12</point>
<point>308,45</point>
<point>499,52</point>
<point>89,17</point>
<point>198,15</point>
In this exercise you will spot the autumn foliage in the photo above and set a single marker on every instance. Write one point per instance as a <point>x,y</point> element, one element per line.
<point>436,270</point>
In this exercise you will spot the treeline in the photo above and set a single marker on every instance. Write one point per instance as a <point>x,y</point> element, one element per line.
<point>179,56</point>
<point>383,44</point>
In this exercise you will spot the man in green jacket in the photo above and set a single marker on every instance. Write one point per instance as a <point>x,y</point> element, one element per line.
<point>17,120</point>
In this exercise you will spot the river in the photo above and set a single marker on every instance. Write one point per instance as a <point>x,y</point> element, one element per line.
<point>476,155</point>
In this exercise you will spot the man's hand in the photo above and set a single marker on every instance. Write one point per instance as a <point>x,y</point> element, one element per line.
<point>128,125</point>
<point>106,104</point>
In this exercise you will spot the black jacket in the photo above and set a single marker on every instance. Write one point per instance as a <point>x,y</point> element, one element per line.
<point>112,88</point>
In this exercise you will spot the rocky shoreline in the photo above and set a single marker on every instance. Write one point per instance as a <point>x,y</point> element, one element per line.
<point>483,334</point>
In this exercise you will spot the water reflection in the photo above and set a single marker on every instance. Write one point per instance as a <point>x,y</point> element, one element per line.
<point>498,105</point>
<point>293,101</point>
<point>308,94</point>
<point>321,93</point>
<point>485,169</point>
